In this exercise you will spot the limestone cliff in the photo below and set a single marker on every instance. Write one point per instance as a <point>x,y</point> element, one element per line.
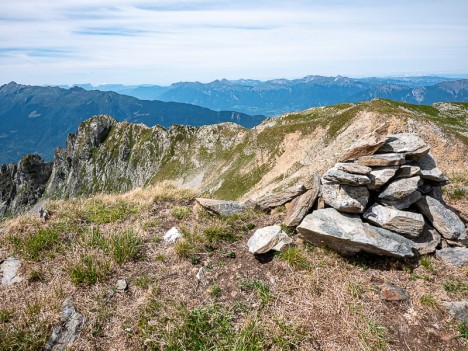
<point>226,160</point>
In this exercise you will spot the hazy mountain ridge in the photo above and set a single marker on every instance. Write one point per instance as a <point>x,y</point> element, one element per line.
<point>38,119</point>
<point>277,96</point>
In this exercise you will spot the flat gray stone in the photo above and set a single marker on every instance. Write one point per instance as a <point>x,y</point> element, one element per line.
<point>400,188</point>
<point>298,208</point>
<point>67,332</point>
<point>407,143</point>
<point>366,145</point>
<point>402,203</point>
<point>429,169</point>
<point>270,201</point>
<point>456,256</point>
<point>9,269</point>
<point>458,309</point>
<point>346,198</point>
<point>407,223</point>
<point>348,234</point>
<point>379,176</point>
<point>447,223</point>
<point>268,238</point>
<point>220,207</point>
<point>353,168</point>
<point>428,241</point>
<point>407,171</point>
<point>382,160</point>
<point>341,177</point>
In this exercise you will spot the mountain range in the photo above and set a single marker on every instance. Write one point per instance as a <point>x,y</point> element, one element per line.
<point>37,119</point>
<point>274,97</point>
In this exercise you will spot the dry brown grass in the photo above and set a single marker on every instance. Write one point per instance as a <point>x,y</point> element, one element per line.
<point>311,299</point>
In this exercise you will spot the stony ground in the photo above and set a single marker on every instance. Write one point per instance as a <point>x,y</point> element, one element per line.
<point>306,298</point>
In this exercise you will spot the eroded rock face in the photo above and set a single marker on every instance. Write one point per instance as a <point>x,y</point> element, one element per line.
<point>400,188</point>
<point>346,198</point>
<point>298,208</point>
<point>447,223</point>
<point>220,207</point>
<point>342,177</point>
<point>280,198</point>
<point>457,256</point>
<point>347,234</point>
<point>22,185</point>
<point>407,223</point>
<point>381,160</point>
<point>268,238</point>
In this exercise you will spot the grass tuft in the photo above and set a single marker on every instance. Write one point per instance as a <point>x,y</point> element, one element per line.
<point>35,246</point>
<point>125,246</point>
<point>181,212</point>
<point>295,257</point>
<point>88,270</point>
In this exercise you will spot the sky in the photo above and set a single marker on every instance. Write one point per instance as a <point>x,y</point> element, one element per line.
<point>161,42</point>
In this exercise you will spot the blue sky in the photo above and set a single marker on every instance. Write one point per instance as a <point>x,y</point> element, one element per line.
<point>160,42</point>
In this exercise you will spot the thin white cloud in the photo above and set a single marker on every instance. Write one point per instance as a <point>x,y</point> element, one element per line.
<point>143,41</point>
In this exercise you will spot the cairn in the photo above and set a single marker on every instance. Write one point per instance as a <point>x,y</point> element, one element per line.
<point>385,197</point>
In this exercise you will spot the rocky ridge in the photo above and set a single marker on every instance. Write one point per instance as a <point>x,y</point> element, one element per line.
<point>227,161</point>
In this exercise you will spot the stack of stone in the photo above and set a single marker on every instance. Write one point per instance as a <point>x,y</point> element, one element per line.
<point>384,197</point>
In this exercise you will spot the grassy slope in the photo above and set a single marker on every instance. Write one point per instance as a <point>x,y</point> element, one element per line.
<point>304,299</point>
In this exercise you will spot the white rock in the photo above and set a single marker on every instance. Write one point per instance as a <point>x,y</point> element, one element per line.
<point>172,235</point>
<point>121,285</point>
<point>268,238</point>
<point>9,269</point>
<point>220,207</point>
